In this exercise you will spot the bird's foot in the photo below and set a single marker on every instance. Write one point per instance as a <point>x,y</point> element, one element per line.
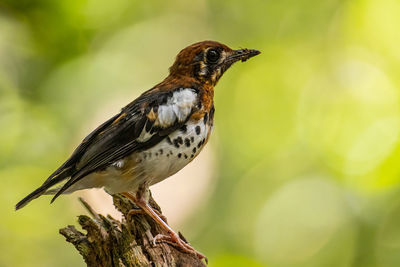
<point>176,241</point>
<point>173,238</point>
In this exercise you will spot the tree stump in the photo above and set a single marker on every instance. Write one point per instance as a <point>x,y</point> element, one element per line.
<point>129,242</point>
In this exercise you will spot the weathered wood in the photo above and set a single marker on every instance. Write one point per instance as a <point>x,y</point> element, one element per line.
<point>110,242</point>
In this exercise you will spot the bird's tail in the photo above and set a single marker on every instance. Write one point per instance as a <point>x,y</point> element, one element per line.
<point>46,188</point>
<point>35,194</point>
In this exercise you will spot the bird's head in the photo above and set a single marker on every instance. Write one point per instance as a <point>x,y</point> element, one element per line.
<point>206,61</point>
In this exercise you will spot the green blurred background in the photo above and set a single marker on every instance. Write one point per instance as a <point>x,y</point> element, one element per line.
<point>305,153</point>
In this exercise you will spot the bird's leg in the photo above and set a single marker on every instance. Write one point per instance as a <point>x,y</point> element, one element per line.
<point>172,237</point>
<point>141,211</point>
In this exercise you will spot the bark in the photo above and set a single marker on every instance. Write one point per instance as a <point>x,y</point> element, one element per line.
<point>110,242</point>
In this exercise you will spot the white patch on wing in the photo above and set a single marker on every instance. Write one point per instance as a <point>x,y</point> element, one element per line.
<point>119,163</point>
<point>166,115</point>
<point>144,135</point>
<point>178,107</point>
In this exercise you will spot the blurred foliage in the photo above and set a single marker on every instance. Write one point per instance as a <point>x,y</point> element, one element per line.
<point>307,133</point>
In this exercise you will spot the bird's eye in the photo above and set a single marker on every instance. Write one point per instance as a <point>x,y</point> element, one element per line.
<point>212,56</point>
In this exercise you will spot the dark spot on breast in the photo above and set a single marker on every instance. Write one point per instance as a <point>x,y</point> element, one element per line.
<point>167,155</point>
<point>192,156</point>
<point>186,156</point>
<point>199,144</point>
<point>194,150</point>
<point>179,155</point>
<point>187,142</point>
<point>205,119</point>
<point>198,129</point>
<point>170,152</point>
<point>169,140</point>
<point>161,151</point>
<point>156,154</point>
<point>177,142</point>
<point>192,139</point>
<point>184,128</point>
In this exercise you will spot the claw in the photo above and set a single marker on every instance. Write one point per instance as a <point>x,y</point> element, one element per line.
<point>175,240</point>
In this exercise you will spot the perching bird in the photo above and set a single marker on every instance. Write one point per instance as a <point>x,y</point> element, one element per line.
<point>153,137</point>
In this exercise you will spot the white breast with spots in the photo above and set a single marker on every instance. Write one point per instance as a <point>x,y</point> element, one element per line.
<point>174,152</point>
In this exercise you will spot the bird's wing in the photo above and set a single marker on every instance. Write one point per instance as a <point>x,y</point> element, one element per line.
<point>140,125</point>
<point>66,167</point>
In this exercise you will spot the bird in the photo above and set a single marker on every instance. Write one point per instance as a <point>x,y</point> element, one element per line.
<point>151,138</point>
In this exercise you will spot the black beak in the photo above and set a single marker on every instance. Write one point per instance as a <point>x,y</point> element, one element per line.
<point>242,54</point>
